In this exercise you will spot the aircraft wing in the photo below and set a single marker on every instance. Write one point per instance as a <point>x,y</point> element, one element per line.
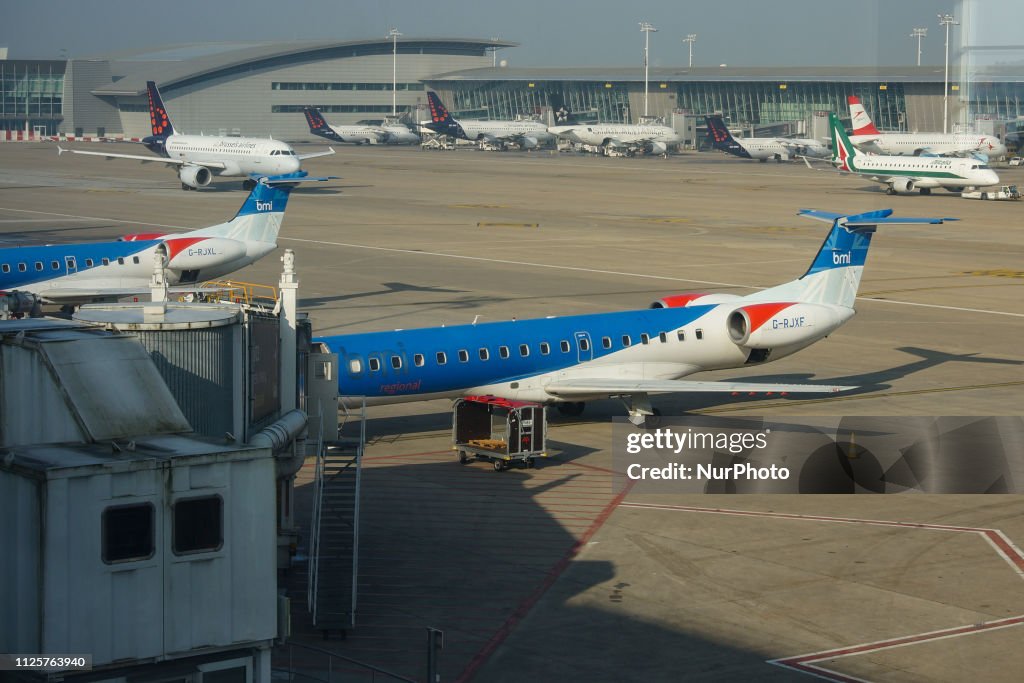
<point>139,157</point>
<point>578,389</point>
<point>329,152</point>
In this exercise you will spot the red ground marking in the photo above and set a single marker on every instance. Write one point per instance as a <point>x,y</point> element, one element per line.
<point>526,605</point>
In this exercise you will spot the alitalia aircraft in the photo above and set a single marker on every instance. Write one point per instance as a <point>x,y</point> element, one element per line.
<point>867,138</point>
<point>907,173</point>
<point>74,274</point>
<point>631,354</point>
<point>200,157</point>
<point>525,134</point>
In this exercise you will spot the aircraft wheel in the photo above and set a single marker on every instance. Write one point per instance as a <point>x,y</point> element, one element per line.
<point>890,190</point>
<point>925,190</point>
<point>186,187</point>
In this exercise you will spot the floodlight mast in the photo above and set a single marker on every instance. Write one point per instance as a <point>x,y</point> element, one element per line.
<point>690,38</point>
<point>919,33</point>
<point>947,21</point>
<point>393,35</point>
<point>647,30</point>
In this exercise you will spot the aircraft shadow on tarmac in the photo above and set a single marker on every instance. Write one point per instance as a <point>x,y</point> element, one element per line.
<point>484,557</point>
<point>388,288</point>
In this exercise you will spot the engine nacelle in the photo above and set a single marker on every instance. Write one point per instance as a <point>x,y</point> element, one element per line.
<point>526,142</point>
<point>776,324</point>
<point>657,148</point>
<point>195,253</point>
<point>903,184</point>
<point>195,176</point>
<point>693,299</point>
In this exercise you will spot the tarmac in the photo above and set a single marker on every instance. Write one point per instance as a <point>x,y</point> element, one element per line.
<point>553,574</point>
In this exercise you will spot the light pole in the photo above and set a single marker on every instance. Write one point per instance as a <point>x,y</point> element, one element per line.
<point>393,35</point>
<point>647,30</point>
<point>947,21</point>
<point>690,38</point>
<point>919,33</point>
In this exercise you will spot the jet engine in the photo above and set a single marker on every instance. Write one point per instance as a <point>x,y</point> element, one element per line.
<point>195,176</point>
<point>526,142</point>
<point>693,299</point>
<point>657,148</point>
<point>775,324</point>
<point>902,185</point>
<point>194,253</point>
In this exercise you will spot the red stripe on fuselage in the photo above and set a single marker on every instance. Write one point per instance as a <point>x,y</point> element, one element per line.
<point>759,314</point>
<point>175,247</point>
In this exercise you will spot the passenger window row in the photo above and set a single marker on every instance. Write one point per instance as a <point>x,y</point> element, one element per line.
<point>56,265</point>
<point>373,363</point>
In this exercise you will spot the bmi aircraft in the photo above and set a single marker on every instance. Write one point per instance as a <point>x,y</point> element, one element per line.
<point>631,354</point>
<point>72,274</point>
<point>867,138</point>
<point>200,157</point>
<point>907,173</point>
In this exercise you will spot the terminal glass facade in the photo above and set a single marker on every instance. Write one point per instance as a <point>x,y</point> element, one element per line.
<point>31,94</point>
<point>607,102</point>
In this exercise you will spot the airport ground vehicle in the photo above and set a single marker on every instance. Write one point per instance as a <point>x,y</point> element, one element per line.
<point>1002,192</point>
<point>498,430</point>
<point>1016,161</point>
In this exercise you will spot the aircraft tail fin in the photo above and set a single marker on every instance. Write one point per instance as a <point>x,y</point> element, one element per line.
<point>835,274</point>
<point>560,112</point>
<point>318,126</point>
<point>160,121</point>
<point>860,120</point>
<point>259,219</point>
<point>843,151</point>
<point>718,132</point>
<point>441,120</point>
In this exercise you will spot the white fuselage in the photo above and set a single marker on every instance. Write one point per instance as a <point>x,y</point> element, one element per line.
<point>925,172</point>
<point>775,148</point>
<point>929,143</point>
<point>501,130</point>
<point>618,134</point>
<point>240,156</point>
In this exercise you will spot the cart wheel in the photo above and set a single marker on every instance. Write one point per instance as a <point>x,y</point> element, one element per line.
<point>463,458</point>
<point>499,465</point>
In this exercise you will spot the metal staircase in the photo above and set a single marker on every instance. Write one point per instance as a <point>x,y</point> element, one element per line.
<point>334,532</point>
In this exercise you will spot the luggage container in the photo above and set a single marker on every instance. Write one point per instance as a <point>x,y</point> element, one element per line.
<point>503,432</point>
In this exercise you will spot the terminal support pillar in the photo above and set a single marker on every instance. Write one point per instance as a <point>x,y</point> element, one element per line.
<point>287,298</point>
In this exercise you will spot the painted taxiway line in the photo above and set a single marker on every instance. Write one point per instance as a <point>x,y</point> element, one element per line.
<point>805,663</point>
<point>528,264</point>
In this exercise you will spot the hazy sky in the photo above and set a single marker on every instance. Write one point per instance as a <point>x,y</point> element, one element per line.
<point>567,33</point>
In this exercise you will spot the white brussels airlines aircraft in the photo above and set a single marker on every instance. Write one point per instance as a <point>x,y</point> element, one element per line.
<point>630,354</point>
<point>200,157</point>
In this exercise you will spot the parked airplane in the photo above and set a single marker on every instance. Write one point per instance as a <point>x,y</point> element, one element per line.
<point>867,138</point>
<point>200,157</point>
<point>629,354</point>
<point>525,134</point>
<point>650,138</point>
<point>73,274</point>
<point>762,149</point>
<point>906,173</point>
<point>386,134</point>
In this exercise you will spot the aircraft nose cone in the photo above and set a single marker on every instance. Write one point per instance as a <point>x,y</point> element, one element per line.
<point>293,165</point>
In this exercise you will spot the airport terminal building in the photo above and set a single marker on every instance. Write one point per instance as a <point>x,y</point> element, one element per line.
<point>259,89</point>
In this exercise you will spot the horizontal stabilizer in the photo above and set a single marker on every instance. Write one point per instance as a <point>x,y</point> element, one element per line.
<point>291,178</point>
<point>626,387</point>
<point>880,217</point>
